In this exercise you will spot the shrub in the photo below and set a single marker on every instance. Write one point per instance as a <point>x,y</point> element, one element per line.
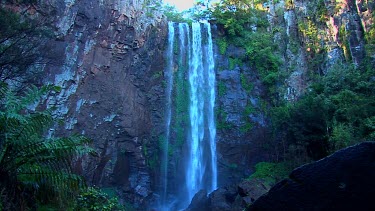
<point>92,198</point>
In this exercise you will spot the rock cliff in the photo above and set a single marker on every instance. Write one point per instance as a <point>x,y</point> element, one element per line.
<point>311,37</point>
<point>112,92</point>
<point>111,72</point>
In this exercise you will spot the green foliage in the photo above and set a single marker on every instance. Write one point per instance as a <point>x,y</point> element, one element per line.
<point>341,136</point>
<point>370,39</point>
<point>321,14</point>
<point>343,37</point>
<point>223,45</point>
<point>260,51</point>
<point>338,112</point>
<point>246,26</point>
<point>246,127</point>
<point>181,102</point>
<point>246,85</point>
<point>271,172</point>
<point>234,62</point>
<point>22,47</point>
<point>91,199</point>
<point>314,47</point>
<point>236,16</point>
<point>221,120</point>
<point>174,15</point>
<point>249,109</point>
<point>369,127</point>
<point>221,89</point>
<point>30,162</point>
<point>310,32</point>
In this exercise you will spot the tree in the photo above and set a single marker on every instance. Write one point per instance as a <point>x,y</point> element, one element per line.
<point>31,163</point>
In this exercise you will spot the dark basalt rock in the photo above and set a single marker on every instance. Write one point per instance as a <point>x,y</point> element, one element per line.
<point>230,198</point>
<point>199,201</point>
<point>342,181</point>
<point>253,188</point>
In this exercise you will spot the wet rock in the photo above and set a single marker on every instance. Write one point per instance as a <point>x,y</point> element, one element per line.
<point>218,200</point>
<point>199,201</point>
<point>253,188</point>
<point>230,198</point>
<point>342,181</point>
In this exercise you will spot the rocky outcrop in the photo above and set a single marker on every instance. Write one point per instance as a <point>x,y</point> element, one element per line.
<point>199,201</point>
<point>342,181</point>
<point>112,92</point>
<point>230,198</point>
<point>314,35</point>
<point>241,123</point>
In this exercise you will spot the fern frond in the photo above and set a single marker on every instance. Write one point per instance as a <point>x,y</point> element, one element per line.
<point>57,151</point>
<point>33,94</point>
<point>27,158</point>
<point>40,174</point>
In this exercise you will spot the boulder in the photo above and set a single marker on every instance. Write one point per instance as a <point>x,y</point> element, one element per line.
<point>342,181</point>
<point>254,188</point>
<point>218,200</point>
<point>230,198</point>
<point>199,202</point>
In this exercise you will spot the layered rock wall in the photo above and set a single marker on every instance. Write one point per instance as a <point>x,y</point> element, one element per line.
<point>112,92</point>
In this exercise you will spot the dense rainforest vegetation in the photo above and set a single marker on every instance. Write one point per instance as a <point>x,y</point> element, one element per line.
<point>337,109</point>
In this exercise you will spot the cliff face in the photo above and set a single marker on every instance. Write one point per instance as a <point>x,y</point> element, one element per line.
<point>311,37</point>
<point>112,53</point>
<point>316,34</point>
<point>111,72</point>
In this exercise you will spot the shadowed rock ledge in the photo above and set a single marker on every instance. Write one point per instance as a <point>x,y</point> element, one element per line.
<point>342,181</point>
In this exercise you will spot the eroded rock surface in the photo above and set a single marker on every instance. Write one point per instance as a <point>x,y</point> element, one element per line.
<point>112,91</point>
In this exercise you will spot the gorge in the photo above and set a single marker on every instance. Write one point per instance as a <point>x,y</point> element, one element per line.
<point>247,90</point>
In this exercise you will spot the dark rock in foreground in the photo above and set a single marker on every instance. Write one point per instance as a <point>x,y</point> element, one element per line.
<point>230,198</point>
<point>199,201</point>
<point>342,181</point>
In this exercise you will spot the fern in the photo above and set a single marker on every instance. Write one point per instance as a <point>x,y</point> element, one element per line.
<point>28,160</point>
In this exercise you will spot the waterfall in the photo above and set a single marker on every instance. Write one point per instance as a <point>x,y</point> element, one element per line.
<point>169,74</point>
<point>201,171</point>
<point>191,98</point>
<point>194,172</point>
<point>211,114</point>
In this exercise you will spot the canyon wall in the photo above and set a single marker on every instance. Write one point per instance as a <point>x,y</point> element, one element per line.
<point>111,74</point>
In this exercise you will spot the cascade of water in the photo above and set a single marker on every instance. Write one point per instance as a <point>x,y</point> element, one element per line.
<point>196,62</point>
<point>211,116</point>
<point>169,74</point>
<point>201,172</point>
<point>194,170</point>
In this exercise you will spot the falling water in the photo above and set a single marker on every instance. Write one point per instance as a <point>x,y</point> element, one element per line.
<point>195,163</point>
<point>211,115</point>
<point>169,74</point>
<point>201,172</point>
<point>195,59</point>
